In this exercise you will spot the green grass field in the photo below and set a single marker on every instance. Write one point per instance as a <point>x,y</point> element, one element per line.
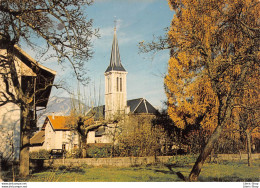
<point>223,171</point>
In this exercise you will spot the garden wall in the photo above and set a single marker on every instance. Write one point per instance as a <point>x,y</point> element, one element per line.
<point>117,162</point>
<point>230,157</point>
<point>127,161</point>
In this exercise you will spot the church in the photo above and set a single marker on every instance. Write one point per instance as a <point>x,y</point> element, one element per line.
<point>116,102</point>
<point>55,134</point>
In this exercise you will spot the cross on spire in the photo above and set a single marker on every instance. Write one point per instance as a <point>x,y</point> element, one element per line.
<point>115,21</point>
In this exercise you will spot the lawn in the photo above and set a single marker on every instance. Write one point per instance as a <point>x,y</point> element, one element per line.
<point>223,171</point>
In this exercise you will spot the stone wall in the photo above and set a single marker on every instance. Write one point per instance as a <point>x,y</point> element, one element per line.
<point>234,157</point>
<point>116,162</point>
<point>128,161</point>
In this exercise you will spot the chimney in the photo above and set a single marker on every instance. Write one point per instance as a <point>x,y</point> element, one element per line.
<point>53,115</point>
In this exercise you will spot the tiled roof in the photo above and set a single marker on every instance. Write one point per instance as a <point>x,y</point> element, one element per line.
<point>62,122</point>
<point>137,106</point>
<point>141,105</point>
<point>38,138</point>
<point>58,122</point>
<point>115,61</point>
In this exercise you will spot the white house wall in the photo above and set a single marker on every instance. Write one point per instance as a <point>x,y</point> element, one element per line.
<point>55,139</point>
<point>50,137</point>
<point>10,115</point>
<point>91,137</point>
<point>9,121</point>
<point>10,131</point>
<point>107,137</point>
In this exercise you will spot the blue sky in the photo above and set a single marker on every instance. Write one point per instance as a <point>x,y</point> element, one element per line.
<point>137,20</point>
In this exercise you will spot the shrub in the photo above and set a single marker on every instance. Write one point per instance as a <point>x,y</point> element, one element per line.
<point>74,153</point>
<point>99,150</point>
<point>139,138</point>
<point>41,154</point>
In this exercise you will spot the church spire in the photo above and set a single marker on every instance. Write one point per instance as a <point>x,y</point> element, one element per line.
<point>115,62</point>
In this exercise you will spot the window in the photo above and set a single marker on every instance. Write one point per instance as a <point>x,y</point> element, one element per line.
<point>63,147</point>
<point>121,84</point>
<point>108,85</point>
<point>117,84</point>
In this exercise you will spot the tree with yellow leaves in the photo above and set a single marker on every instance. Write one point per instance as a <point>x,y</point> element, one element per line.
<point>214,54</point>
<point>247,112</point>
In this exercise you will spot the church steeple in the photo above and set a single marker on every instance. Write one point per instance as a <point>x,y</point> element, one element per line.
<point>115,61</point>
<point>115,84</point>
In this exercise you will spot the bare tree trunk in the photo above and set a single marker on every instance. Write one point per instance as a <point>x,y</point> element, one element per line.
<point>204,154</point>
<point>223,114</point>
<point>249,152</point>
<point>25,143</point>
<point>84,147</point>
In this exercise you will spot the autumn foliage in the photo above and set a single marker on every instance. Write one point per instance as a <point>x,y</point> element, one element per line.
<point>212,73</point>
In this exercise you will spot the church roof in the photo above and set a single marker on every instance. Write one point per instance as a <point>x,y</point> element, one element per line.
<point>115,61</point>
<point>137,106</point>
<point>141,105</point>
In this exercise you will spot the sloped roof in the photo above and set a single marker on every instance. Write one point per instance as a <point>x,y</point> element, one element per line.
<point>62,122</point>
<point>38,138</point>
<point>45,76</point>
<point>22,52</point>
<point>115,61</point>
<point>100,131</point>
<point>141,105</point>
<point>99,112</point>
<point>137,106</point>
<point>57,122</point>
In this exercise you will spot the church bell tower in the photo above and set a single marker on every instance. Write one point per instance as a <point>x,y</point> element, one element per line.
<point>115,84</point>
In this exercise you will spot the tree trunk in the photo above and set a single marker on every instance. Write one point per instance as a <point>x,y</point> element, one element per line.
<point>224,114</point>
<point>249,153</point>
<point>204,154</point>
<point>84,147</point>
<point>25,142</point>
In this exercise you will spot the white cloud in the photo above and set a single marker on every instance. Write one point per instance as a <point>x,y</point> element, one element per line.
<point>107,31</point>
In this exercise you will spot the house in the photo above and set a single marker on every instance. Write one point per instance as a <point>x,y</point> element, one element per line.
<point>32,76</point>
<point>55,134</point>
